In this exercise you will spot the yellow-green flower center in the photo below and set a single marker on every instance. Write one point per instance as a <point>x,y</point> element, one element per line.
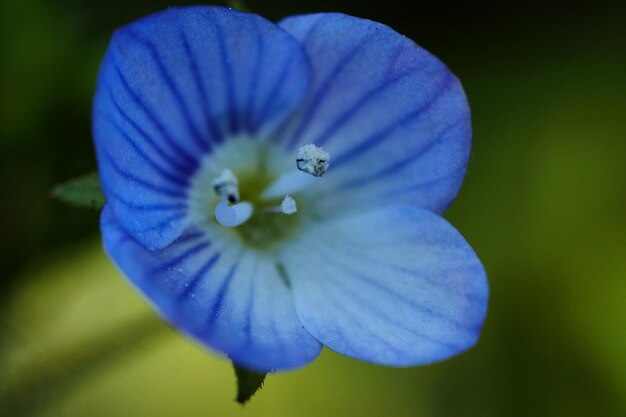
<point>267,228</point>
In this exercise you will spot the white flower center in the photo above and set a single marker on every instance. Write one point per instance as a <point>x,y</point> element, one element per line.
<point>311,162</point>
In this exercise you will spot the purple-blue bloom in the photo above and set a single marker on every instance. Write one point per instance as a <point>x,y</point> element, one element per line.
<point>224,218</point>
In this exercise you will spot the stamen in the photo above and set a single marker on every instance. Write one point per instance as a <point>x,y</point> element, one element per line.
<point>313,160</point>
<point>227,186</point>
<point>232,216</point>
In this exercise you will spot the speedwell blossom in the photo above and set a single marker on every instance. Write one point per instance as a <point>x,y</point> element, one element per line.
<point>272,188</point>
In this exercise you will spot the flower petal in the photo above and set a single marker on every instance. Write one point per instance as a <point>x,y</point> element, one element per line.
<point>172,86</point>
<point>396,286</point>
<point>229,299</point>
<point>393,117</point>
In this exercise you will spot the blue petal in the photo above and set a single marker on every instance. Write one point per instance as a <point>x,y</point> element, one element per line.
<point>228,299</point>
<point>173,86</point>
<point>395,286</point>
<point>393,117</point>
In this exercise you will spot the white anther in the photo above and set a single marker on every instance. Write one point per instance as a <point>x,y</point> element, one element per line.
<point>227,186</point>
<point>288,206</point>
<point>312,163</point>
<point>313,160</point>
<point>232,216</point>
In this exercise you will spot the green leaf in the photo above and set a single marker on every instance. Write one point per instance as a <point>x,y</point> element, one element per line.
<point>248,383</point>
<point>83,191</point>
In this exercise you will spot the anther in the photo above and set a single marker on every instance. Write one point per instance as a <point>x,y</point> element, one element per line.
<point>227,186</point>
<point>313,160</point>
<point>232,216</point>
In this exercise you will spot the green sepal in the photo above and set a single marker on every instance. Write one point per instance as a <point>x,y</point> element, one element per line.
<point>84,191</point>
<point>248,383</point>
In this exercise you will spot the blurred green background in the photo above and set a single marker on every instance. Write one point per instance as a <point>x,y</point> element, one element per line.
<point>543,205</point>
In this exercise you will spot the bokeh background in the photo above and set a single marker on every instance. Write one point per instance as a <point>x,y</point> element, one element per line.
<point>543,205</point>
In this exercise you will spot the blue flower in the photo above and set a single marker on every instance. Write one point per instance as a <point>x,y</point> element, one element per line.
<point>213,131</point>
